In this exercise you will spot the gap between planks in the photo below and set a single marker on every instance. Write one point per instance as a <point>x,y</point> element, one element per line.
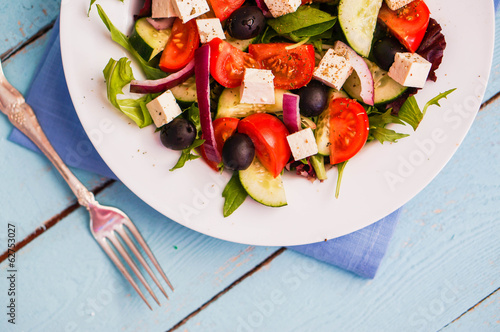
<point>63,214</point>
<point>52,222</point>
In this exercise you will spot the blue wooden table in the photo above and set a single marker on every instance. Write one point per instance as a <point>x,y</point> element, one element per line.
<point>441,271</point>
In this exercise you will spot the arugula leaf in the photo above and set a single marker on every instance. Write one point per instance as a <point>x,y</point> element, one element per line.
<point>378,121</point>
<point>386,135</point>
<point>411,113</point>
<point>234,195</point>
<point>340,167</point>
<point>305,16</point>
<point>118,37</point>
<point>186,154</point>
<point>118,74</point>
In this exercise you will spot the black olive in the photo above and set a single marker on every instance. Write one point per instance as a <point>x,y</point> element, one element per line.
<point>246,22</point>
<point>313,98</point>
<point>238,152</point>
<point>384,51</point>
<point>178,134</point>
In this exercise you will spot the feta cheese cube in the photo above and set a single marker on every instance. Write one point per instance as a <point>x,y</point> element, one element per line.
<point>189,9</point>
<point>163,108</point>
<point>410,69</point>
<point>282,7</point>
<point>396,4</point>
<point>333,69</point>
<point>302,144</point>
<point>209,28</point>
<point>163,9</point>
<point>257,87</point>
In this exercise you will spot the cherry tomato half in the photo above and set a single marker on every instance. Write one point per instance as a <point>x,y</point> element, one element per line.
<point>268,134</point>
<point>227,63</point>
<point>348,129</point>
<point>407,24</point>
<point>224,8</point>
<point>223,129</point>
<point>292,68</point>
<point>180,47</point>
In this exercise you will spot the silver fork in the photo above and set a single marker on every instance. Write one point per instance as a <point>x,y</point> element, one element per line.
<point>111,227</point>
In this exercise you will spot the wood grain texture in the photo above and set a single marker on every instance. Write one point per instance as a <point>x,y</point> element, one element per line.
<point>443,257</point>
<point>82,291</point>
<point>21,19</point>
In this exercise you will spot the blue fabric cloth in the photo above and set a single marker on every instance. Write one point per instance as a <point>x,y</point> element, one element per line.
<point>360,252</point>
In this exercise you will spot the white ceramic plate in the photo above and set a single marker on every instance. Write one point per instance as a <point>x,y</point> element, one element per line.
<point>376,182</point>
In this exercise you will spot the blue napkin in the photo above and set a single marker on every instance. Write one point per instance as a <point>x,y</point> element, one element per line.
<point>360,252</point>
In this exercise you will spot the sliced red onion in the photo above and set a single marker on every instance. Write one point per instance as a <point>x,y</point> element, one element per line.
<point>291,112</point>
<point>361,68</point>
<point>202,74</point>
<point>162,84</point>
<point>262,5</point>
<point>161,23</point>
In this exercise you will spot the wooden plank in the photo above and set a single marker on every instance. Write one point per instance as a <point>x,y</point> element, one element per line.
<point>25,18</point>
<point>442,260</point>
<point>82,291</point>
<point>32,187</point>
<point>485,316</point>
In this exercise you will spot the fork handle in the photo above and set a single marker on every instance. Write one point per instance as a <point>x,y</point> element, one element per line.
<point>21,115</point>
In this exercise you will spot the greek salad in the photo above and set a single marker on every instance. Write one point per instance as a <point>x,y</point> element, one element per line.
<point>258,88</point>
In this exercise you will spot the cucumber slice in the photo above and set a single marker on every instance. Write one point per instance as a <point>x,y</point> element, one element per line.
<point>241,44</point>
<point>229,104</point>
<point>262,186</point>
<point>186,91</point>
<point>148,41</point>
<point>322,133</point>
<point>357,19</point>
<point>386,89</point>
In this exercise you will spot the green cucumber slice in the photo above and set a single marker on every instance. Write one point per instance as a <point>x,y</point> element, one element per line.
<point>229,104</point>
<point>386,89</point>
<point>262,186</point>
<point>357,19</point>
<point>148,41</point>
<point>241,44</point>
<point>186,91</point>
<point>322,132</point>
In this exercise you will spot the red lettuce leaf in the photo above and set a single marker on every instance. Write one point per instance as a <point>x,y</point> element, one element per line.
<point>432,47</point>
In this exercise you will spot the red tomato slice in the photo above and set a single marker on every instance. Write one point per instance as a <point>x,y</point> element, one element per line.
<point>227,63</point>
<point>348,129</point>
<point>268,134</point>
<point>407,24</point>
<point>180,47</point>
<point>223,129</point>
<point>292,69</point>
<point>224,8</point>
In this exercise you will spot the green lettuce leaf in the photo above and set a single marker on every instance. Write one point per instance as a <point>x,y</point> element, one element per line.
<point>234,195</point>
<point>117,75</point>
<point>118,37</point>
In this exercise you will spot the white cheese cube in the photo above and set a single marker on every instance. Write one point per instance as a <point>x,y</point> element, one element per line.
<point>410,69</point>
<point>257,87</point>
<point>302,144</point>
<point>209,28</point>
<point>189,9</point>
<point>163,9</point>
<point>396,4</point>
<point>282,7</point>
<point>333,69</point>
<point>163,108</point>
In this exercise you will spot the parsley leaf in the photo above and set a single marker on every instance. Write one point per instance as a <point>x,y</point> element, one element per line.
<point>234,195</point>
<point>411,113</point>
